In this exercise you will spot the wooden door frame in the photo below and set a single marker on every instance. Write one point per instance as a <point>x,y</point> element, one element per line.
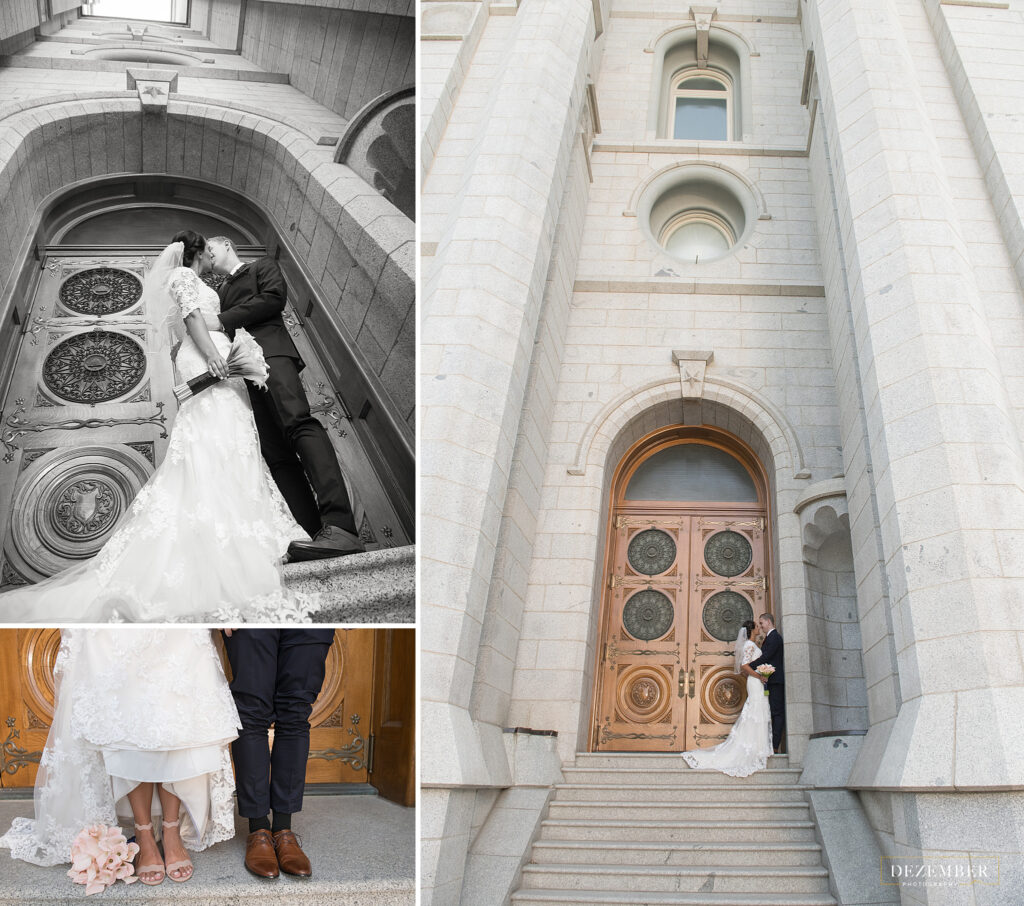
<point>637,454</point>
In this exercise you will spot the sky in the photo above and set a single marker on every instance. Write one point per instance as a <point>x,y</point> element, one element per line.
<point>133,9</point>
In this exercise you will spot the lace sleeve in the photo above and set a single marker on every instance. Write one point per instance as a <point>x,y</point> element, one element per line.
<point>750,652</point>
<point>185,291</point>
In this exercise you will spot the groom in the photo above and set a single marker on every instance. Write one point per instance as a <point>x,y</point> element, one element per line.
<point>771,653</point>
<point>276,677</point>
<point>294,444</point>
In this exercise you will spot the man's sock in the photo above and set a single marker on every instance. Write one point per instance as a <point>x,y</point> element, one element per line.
<point>282,821</point>
<point>256,824</point>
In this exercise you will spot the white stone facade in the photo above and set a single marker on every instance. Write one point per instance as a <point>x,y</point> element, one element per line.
<point>866,334</point>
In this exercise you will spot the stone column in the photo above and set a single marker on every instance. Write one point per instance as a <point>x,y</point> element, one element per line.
<point>499,173</point>
<point>942,439</point>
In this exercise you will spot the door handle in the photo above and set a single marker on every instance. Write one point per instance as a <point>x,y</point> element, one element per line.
<point>692,684</point>
<point>684,682</point>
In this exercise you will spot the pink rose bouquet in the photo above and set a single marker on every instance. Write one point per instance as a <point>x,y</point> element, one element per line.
<point>765,670</point>
<point>99,856</point>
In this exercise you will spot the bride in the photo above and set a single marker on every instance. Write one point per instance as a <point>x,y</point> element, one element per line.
<point>127,740</point>
<point>750,740</point>
<point>204,539</point>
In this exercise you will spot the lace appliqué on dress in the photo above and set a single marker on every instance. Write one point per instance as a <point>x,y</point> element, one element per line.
<point>184,288</point>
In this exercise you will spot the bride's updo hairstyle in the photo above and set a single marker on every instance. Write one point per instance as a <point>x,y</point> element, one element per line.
<point>750,627</point>
<point>194,245</point>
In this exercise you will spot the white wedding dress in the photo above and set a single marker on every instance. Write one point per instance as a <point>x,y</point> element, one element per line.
<point>750,740</point>
<point>132,705</point>
<point>204,538</point>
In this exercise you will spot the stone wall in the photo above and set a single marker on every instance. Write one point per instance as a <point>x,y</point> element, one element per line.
<point>349,58</point>
<point>484,292</point>
<point>223,22</point>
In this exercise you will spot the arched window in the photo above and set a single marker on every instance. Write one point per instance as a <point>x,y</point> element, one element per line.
<point>687,562</point>
<point>700,96</point>
<point>701,105</point>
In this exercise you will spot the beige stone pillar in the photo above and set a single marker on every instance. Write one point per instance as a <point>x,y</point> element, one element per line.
<point>945,449</point>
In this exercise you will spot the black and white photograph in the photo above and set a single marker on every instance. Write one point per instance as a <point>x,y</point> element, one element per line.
<point>207,348</point>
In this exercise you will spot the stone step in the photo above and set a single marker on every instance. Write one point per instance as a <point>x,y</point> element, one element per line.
<point>650,831</point>
<point>555,897</point>
<point>666,878</point>
<point>363,851</point>
<point>375,587</point>
<point>633,792</point>
<point>679,776</point>
<point>734,809</point>
<point>652,761</point>
<point>599,852</point>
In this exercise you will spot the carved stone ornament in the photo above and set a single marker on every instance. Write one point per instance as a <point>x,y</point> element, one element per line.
<point>693,365</point>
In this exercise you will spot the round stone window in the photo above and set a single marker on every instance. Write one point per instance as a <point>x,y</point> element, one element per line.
<point>695,214</point>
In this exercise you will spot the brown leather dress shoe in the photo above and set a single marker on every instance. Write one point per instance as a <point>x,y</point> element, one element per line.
<point>290,857</point>
<point>260,857</point>
<point>330,541</point>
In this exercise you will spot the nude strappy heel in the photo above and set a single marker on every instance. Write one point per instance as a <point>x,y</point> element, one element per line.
<point>185,864</point>
<point>140,869</point>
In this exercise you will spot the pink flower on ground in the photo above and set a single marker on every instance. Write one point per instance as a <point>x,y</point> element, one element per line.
<point>99,856</point>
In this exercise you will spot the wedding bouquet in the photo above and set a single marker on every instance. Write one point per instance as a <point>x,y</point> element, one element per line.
<point>765,670</point>
<point>99,856</point>
<point>245,360</point>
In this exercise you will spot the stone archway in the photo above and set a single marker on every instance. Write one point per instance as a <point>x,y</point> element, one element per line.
<point>351,251</point>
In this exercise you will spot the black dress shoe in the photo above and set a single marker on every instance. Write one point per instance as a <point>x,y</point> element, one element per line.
<point>330,541</point>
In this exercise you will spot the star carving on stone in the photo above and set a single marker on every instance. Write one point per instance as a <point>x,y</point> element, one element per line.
<point>691,377</point>
<point>153,91</point>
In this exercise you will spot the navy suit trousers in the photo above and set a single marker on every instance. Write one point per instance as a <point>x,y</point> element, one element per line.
<point>276,677</point>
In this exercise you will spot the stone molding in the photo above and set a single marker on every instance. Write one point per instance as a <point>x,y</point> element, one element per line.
<point>778,433</point>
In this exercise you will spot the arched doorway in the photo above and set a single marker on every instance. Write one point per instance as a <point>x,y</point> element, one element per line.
<point>686,562</point>
<point>89,392</point>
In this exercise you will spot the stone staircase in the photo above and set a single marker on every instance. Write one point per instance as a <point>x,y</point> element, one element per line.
<point>376,587</point>
<point>646,829</point>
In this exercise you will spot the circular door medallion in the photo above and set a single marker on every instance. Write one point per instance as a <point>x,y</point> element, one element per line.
<point>722,695</point>
<point>724,612</point>
<point>39,649</point>
<point>68,503</point>
<point>94,367</point>
<point>332,692</point>
<point>651,551</point>
<point>100,291</point>
<point>647,615</point>
<point>643,694</point>
<point>728,553</point>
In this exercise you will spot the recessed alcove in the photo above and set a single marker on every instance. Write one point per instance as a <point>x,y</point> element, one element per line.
<point>697,213</point>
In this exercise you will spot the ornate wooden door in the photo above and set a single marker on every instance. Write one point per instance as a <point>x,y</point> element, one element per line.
<point>378,522</point>
<point>681,583</point>
<point>341,740</point>
<point>686,565</point>
<point>394,715</point>
<point>86,418</point>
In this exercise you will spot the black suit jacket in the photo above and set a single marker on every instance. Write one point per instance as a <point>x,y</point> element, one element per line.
<point>254,299</point>
<point>771,653</point>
